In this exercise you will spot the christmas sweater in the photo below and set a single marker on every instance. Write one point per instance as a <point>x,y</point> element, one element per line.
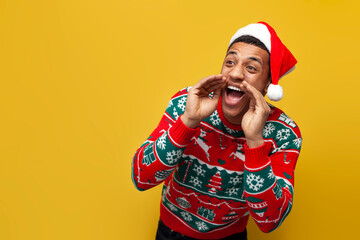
<point>213,181</point>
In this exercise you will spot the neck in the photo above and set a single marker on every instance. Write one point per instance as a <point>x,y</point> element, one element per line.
<point>236,120</point>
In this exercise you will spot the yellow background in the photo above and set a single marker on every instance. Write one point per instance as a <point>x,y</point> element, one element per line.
<point>84,82</point>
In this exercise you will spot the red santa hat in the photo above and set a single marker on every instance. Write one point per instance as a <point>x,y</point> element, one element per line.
<point>282,61</point>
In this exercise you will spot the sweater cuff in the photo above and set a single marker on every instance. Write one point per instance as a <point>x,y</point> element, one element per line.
<point>180,135</point>
<point>257,157</point>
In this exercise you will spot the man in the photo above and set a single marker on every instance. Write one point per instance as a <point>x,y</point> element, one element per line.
<point>224,152</point>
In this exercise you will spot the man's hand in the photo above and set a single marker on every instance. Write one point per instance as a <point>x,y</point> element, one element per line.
<point>254,119</point>
<point>198,105</point>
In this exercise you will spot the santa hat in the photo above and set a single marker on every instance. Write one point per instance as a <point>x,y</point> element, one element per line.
<point>282,61</point>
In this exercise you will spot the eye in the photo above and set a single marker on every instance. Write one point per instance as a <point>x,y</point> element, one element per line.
<point>251,68</point>
<point>229,62</point>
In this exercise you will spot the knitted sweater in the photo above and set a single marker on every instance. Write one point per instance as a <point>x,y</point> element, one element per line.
<point>213,181</point>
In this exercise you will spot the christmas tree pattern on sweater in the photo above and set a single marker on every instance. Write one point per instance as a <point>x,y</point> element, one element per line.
<point>213,182</point>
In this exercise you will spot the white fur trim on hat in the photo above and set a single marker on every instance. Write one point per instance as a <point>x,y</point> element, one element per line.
<point>256,30</point>
<point>275,92</point>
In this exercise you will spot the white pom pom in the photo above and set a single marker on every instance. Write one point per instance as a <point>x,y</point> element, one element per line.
<point>275,92</point>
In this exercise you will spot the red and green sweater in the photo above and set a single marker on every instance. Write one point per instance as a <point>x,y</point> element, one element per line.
<point>213,181</point>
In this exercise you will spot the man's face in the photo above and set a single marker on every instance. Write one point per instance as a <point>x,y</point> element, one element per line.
<point>243,62</point>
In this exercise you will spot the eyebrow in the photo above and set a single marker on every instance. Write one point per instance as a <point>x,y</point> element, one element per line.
<point>251,58</point>
<point>231,52</point>
<point>256,59</point>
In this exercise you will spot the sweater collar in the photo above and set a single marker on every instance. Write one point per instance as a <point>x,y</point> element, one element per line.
<point>224,120</point>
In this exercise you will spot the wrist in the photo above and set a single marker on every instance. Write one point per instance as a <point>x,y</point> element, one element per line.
<point>254,142</point>
<point>190,123</point>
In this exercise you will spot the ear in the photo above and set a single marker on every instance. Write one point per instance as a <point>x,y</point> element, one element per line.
<point>267,85</point>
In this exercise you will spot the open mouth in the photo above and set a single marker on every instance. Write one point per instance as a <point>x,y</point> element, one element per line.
<point>234,94</point>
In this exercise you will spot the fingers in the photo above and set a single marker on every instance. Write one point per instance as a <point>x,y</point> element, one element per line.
<point>216,86</point>
<point>256,98</point>
<point>217,93</point>
<point>207,82</point>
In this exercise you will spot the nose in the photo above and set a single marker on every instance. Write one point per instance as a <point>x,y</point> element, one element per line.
<point>237,73</point>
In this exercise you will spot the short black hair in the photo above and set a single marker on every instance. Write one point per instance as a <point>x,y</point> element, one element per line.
<point>250,40</point>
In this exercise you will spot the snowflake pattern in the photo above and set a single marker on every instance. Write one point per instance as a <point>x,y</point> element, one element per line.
<point>195,181</point>
<point>283,134</point>
<point>254,182</point>
<point>297,142</point>
<point>232,191</point>
<point>271,174</point>
<point>199,171</point>
<point>186,216</point>
<point>268,129</point>
<point>173,156</point>
<point>235,180</point>
<point>176,114</point>
<point>161,142</point>
<point>201,226</point>
<point>181,103</point>
<point>215,119</point>
<point>172,207</point>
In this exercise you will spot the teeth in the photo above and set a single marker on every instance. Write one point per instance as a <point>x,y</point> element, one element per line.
<point>234,88</point>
